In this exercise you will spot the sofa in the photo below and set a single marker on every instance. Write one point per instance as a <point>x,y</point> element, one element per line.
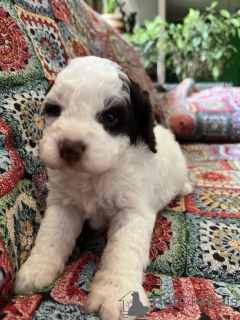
<point>194,268</point>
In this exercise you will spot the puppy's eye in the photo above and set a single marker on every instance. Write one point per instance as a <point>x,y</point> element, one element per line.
<point>109,118</point>
<point>52,110</point>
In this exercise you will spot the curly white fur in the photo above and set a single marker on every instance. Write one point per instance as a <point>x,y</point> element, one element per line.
<point>114,184</point>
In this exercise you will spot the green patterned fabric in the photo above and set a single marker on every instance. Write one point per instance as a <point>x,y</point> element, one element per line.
<point>213,247</point>
<point>20,214</point>
<point>168,247</point>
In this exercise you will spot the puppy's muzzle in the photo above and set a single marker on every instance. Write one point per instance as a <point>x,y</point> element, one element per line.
<point>71,151</point>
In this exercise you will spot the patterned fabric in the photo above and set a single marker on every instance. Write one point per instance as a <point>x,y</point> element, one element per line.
<point>195,248</point>
<point>18,59</point>
<point>168,247</point>
<point>217,241</point>
<point>47,40</point>
<point>210,115</point>
<point>20,109</point>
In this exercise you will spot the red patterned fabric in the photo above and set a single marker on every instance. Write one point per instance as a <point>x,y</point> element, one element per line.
<point>11,177</point>
<point>68,290</point>
<point>13,45</point>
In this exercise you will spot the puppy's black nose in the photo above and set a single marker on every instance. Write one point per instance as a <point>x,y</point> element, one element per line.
<point>71,151</point>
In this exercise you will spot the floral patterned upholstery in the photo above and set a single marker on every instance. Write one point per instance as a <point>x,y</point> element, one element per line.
<point>196,240</point>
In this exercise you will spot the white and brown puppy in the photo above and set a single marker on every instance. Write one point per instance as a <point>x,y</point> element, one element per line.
<point>108,164</point>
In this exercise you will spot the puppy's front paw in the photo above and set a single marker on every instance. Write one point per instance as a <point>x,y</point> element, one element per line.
<point>114,298</point>
<point>36,273</point>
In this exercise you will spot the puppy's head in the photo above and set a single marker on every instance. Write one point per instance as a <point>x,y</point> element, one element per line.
<point>93,113</point>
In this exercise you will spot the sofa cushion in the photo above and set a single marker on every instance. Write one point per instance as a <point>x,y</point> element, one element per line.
<point>211,115</point>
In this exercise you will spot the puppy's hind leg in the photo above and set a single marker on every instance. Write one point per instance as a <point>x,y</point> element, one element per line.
<point>54,244</point>
<point>187,189</point>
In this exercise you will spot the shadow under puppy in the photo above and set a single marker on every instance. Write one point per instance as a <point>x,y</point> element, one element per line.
<point>108,164</point>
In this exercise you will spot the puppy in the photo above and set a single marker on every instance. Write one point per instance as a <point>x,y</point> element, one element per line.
<point>108,164</point>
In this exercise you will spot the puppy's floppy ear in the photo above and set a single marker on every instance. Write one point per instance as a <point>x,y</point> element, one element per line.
<point>143,114</point>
